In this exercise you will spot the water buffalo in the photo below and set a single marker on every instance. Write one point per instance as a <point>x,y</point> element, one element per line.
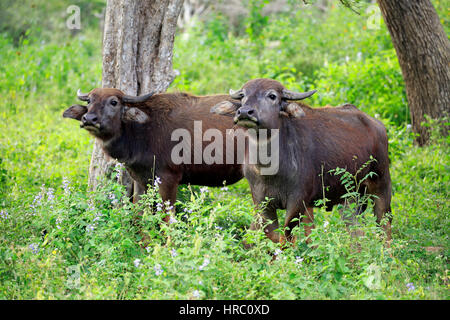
<point>137,131</point>
<point>311,142</point>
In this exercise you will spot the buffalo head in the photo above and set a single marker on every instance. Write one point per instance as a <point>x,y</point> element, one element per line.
<point>262,101</point>
<point>106,110</point>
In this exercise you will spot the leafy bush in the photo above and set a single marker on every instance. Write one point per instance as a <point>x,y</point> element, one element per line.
<point>75,244</point>
<point>46,20</point>
<point>374,85</point>
<point>360,68</point>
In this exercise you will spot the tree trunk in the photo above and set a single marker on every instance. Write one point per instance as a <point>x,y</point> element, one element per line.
<point>423,52</point>
<point>137,58</point>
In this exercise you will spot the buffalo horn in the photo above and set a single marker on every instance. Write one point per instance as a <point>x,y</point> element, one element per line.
<point>291,95</point>
<point>82,96</point>
<point>236,94</point>
<point>138,99</point>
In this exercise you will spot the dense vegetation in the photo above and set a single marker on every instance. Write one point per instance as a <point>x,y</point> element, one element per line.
<point>60,241</point>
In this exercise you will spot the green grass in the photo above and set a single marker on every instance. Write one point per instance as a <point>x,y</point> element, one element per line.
<point>75,244</point>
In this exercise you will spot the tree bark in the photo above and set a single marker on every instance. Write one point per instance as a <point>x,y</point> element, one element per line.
<point>423,52</point>
<point>137,58</point>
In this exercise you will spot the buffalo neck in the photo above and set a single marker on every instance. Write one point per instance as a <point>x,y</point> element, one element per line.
<point>132,144</point>
<point>291,149</point>
<point>293,144</point>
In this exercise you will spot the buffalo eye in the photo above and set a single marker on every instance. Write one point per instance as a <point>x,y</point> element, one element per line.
<point>113,102</point>
<point>272,96</point>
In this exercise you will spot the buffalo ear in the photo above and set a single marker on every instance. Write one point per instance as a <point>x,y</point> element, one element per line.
<point>75,112</point>
<point>225,108</point>
<point>294,110</point>
<point>135,115</point>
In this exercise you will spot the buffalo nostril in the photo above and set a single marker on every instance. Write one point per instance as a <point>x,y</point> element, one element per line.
<point>239,112</point>
<point>250,112</point>
<point>89,119</point>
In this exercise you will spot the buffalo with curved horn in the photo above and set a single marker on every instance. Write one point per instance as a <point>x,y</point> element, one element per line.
<point>311,142</point>
<point>139,132</point>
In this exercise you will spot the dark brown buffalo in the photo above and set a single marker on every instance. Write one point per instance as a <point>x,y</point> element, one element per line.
<point>311,142</point>
<point>137,132</point>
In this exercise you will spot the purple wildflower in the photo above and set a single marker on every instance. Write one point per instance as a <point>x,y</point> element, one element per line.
<point>4,214</point>
<point>66,185</point>
<point>410,286</point>
<point>34,247</point>
<point>91,206</point>
<point>157,181</point>
<point>37,201</point>
<point>118,169</point>
<point>158,269</point>
<point>298,260</point>
<point>50,194</point>
<point>277,252</point>
<point>113,199</point>
<point>58,222</point>
<point>196,294</point>
<point>97,216</point>
<point>205,263</point>
<point>172,220</point>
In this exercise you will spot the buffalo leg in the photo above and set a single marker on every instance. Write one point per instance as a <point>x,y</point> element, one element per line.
<point>382,208</point>
<point>291,214</point>
<point>307,217</point>
<point>351,218</point>
<point>268,220</point>
<point>139,190</point>
<point>382,203</point>
<point>168,192</point>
